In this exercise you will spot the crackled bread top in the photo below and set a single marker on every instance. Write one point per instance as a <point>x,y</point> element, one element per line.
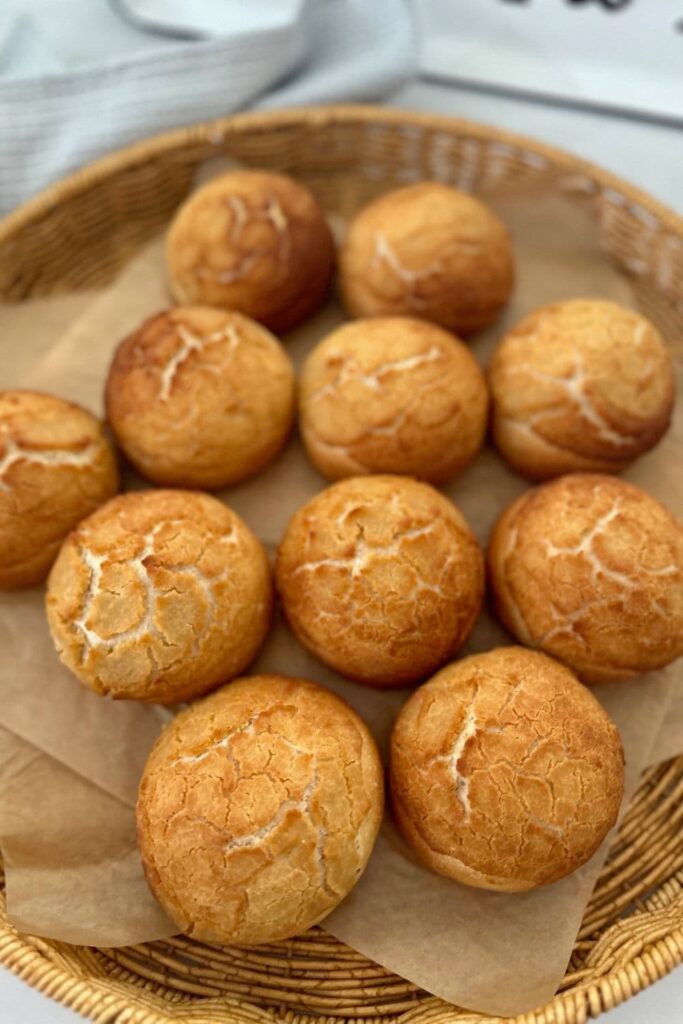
<point>381,578</point>
<point>584,384</point>
<point>506,772</point>
<point>56,466</point>
<point>200,397</point>
<point>589,568</point>
<point>252,241</point>
<point>258,810</point>
<point>392,395</point>
<point>159,596</point>
<point>429,251</point>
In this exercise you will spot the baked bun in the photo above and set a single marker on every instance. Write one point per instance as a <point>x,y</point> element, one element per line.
<point>253,241</point>
<point>392,395</point>
<point>55,468</point>
<point>431,251</point>
<point>580,385</point>
<point>589,569</point>
<point>258,810</point>
<point>506,773</point>
<point>159,596</point>
<point>381,578</point>
<point>199,397</point>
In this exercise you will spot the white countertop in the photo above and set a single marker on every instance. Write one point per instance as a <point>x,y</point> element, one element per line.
<point>649,155</point>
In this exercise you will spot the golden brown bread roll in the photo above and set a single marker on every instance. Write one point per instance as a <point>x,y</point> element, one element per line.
<point>56,467</point>
<point>258,810</point>
<point>392,395</point>
<point>580,385</point>
<point>506,773</point>
<point>430,251</point>
<point>381,578</point>
<point>253,241</point>
<point>199,397</point>
<point>159,596</point>
<point>589,568</point>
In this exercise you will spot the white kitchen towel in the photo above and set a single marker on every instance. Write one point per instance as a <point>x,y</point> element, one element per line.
<point>80,78</point>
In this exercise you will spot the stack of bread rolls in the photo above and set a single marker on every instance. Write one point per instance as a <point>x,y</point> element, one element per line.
<point>260,803</point>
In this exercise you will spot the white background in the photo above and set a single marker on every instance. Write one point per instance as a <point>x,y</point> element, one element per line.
<point>652,157</point>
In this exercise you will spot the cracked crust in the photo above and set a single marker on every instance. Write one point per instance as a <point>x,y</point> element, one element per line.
<point>580,385</point>
<point>429,251</point>
<point>56,467</point>
<point>589,568</point>
<point>505,772</point>
<point>198,397</point>
<point>258,810</point>
<point>252,241</point>
<point>392,395</point>
<point>381,578</point>
<point>159,596</point>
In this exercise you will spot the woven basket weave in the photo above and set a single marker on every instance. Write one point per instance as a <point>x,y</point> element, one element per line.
<point>78,234</point>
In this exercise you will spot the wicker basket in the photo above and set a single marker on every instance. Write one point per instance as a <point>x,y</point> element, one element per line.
<point>78,234</point>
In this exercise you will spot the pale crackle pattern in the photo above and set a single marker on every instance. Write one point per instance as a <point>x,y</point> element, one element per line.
<point>192,342</point>
<point>372,380</point>
<point>242,216</point>
<point>386,255</point>
<point>55,458</point>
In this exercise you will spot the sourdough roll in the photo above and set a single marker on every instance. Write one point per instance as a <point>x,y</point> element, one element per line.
<point>159,596</point>
<point>200,397</point>
<point>589,568</point>
<point>506,773</point>
<point>580,385</point>
<point>381,578</point>
<point>392,395</point>
<point>252,241</point>
<point>56,467</point>
<point>258,810</point>
<point>430,251</point>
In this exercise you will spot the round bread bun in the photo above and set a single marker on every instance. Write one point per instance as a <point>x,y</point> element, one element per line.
<point>258,810</point>
<point>56,467</point>
<point>159,596</point>
<point>199,397</point>
<point>430,251</point>
<point>589,569</point>
<point>506,773</point>
<point>381,578</point>
<point>253,241</point>
<point>580,385</point>
<point>392,395</point>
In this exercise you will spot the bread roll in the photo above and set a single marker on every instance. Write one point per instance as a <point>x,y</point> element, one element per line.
<point>252,241</point>
<point>589,568</point>
<point>580,385</point>
<point>381,578</point>
<point>258,810</point>
<point>430,251</point>
<point>392,395</point>
<point>159,596</point>
<point>56,467</point>
<point>198,397</point>
<point>506,773</point>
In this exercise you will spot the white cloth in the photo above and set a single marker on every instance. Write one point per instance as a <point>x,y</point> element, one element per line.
<point>79,78</point>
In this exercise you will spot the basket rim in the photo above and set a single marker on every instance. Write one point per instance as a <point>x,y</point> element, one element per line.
<point>96,171</point>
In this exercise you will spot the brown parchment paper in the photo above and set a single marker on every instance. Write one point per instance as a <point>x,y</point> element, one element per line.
<point>70,761</point>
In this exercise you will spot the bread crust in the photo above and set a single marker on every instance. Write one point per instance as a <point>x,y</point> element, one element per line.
<point>159,596</point>
<point>200,397</point>
<point>580,385</point>
<point>56,466</point>
<point>430,251</point>
<point>589,569</point>
<point>258,810</point>
<point>392,395</point>
<point>252,241</point>
<point>381,578</point>
<point>505,771</point>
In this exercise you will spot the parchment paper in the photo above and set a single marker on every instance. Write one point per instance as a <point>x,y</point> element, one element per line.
<point>70,761</point>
